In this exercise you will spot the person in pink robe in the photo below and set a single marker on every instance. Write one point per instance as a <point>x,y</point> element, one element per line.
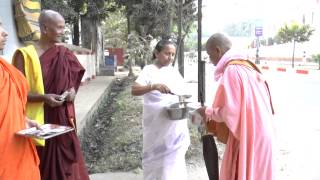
<point>243,103</point>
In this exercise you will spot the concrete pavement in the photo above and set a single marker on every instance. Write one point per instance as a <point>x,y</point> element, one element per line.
<point>117,176</point>
<point>89,96</point>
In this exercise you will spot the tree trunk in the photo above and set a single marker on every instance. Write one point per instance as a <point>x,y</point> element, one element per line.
<point>76,33</point>
<point>168,23</point>
<point>94,41</point>
<point>180,41</point>
<point>294,49</point>
<point>91,38</point>
<point>130,74</point>
<point>201,64</point>
<point>128,23</point>
<point>99,53</point>
<point>181,57</point>
<point>86,32</point>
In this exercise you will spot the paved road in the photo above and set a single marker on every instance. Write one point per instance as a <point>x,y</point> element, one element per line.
<point>296,101</point>
<point>297,105</point>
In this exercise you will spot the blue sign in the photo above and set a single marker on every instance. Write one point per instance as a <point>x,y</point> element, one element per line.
<point>259,31</point>
<point>109,60</point>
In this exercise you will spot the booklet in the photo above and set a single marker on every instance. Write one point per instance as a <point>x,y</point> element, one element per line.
<point>47,131</point>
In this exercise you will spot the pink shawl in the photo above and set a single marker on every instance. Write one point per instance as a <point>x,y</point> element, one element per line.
<point>228,56</point>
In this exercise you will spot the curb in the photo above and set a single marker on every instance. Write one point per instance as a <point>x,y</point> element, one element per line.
<point>282,69</point>
<point>300,71</point>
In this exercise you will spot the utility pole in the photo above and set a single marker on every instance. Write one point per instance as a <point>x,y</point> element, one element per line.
<point>257,50</point>
<point>258,33</point>
<point>201,64</point>
<point>294,47</point>
<point>180,39</point>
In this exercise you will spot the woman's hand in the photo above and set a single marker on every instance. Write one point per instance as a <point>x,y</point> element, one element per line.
<point>161,87</point>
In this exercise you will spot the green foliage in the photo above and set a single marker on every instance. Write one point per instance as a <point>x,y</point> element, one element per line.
<point>139,50</point>
<point>294,32</point>
<point>263,42</point>
<point>270,41</point>
<point>191,43</point>
<point>153,17</point>
<point>241,29</point>
<point>98,10</point>
<point>71,9</point>
<point>316,58</point>
<point>189,16</point>
<point>64,7</point>
<point>115,29</point>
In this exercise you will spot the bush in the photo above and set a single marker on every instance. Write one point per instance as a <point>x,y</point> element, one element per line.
<point>316,58</point>
<point>270,41</point>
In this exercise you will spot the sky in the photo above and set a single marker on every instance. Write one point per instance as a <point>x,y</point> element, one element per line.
<point>217,13</point>
<point>270,14</point>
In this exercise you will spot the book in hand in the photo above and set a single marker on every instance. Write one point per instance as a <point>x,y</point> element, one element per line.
<point>46,131</point>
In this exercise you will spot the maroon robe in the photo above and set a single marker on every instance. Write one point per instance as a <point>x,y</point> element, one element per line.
<point>61,158</point>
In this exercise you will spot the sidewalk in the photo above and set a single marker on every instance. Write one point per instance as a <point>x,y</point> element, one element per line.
<point>89,96</point>
<point>116,176</point>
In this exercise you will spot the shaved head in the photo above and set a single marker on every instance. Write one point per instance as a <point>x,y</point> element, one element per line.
<point>217,45</point>
<point>52,26</point>
<point>49,16</point>
<point>219,40</point>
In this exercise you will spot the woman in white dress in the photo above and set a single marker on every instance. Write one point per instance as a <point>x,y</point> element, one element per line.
<point>165,141</point>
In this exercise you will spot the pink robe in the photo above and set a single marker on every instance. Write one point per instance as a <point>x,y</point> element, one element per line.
<point>243,102</point>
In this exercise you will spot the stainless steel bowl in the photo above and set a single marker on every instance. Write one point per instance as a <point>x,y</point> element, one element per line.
<point>177,111</point>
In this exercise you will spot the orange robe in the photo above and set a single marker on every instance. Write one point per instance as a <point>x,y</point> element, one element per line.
<point>18,156</point>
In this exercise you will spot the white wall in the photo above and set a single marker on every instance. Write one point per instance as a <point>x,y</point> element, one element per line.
<point>89,63</point>
<point>8,22</point>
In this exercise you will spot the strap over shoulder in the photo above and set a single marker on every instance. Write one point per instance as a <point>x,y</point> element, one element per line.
<point>244,63</point>
<point>251,65</point>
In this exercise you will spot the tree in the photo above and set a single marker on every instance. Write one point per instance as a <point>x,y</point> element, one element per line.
<point>96,11</point>
<point>139,51</point>
<point>294,33</point>
<point>316,58</point>
<point>129,8</point>
<point>186,17</point>
<point>240,29</point>
<point>77,6</point>
<point>158,18</point>
<point>114,28</point>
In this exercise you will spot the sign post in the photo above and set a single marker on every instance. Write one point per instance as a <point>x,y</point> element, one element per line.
<point>258,33</point>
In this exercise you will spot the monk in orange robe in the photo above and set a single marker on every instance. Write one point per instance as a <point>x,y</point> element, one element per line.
<point>18,156</point>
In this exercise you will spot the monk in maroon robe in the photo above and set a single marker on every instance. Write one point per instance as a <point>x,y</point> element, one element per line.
<point>61,157</point>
